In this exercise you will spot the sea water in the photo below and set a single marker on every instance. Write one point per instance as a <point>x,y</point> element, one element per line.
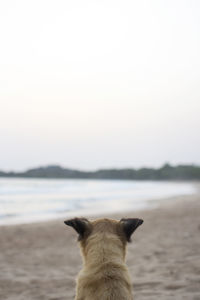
<point>33,200</point>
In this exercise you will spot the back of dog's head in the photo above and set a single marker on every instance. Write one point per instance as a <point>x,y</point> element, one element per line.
<point>103,233</point>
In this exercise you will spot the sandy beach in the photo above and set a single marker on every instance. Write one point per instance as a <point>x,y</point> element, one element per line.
<point>41,261</point>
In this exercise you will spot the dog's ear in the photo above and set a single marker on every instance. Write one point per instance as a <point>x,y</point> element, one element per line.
<point>81,225</point>
<point>129,226</point>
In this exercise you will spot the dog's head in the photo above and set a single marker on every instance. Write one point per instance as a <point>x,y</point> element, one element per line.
<point>104,231</point>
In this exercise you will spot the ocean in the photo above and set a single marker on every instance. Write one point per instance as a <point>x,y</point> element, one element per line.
<point>33,200</point>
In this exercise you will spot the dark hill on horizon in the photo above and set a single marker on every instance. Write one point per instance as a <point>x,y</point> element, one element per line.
<point>166,172</point>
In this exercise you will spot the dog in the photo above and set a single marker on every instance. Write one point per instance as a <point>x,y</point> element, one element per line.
<point>104,275</point>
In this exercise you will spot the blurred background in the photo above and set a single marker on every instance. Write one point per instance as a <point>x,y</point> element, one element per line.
<point>92,85</point>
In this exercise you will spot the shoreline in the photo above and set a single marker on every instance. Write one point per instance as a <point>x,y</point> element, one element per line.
<point>40,261</point>
<point>139,201</point>
<point>160,202</point>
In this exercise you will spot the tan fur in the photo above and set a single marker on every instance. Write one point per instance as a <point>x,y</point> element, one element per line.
<point>104,275</point>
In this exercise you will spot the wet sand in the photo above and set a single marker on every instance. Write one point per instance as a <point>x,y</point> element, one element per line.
<point>41,261</point>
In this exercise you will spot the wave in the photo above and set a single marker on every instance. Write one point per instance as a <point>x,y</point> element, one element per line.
<point>33,200</point>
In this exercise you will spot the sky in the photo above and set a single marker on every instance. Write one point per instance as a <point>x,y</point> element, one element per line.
<point>99,84</point>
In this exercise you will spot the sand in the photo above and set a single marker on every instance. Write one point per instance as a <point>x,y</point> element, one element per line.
<point>40,261</point>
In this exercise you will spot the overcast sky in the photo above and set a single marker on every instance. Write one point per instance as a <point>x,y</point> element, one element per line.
<point>95,84</point>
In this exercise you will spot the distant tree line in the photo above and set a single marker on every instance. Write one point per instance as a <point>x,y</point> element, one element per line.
<point>166,172</point>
